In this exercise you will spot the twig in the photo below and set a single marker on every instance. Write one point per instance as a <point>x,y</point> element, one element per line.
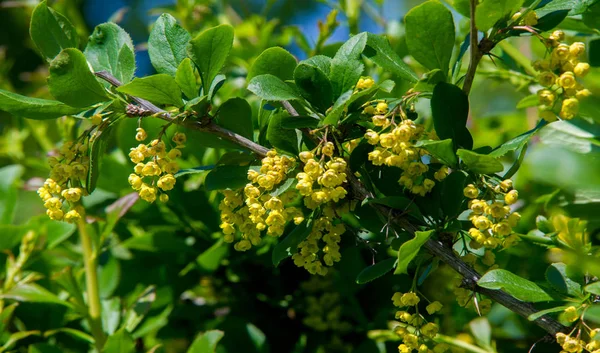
<point>209,127</point>
<point>475,52</point>
<point>360,192</point>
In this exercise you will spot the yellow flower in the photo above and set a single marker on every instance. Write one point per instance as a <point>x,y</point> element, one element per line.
<point>148,193</point>
<point>581,69</point>
<point>546,97</point>
<point>381,108</point>
<point>55,214</point>
<point>305,156</point>
<point>482,222</point>
<point>430,330</point>
<point>434,307</point>
<point>571,314</point>
<point>243,245</point>
<point>397,299</point>
<point>179,138</point>
<point>72,194</point>
<point>328,149</point>
<point>577,49</point>
<point>441,174</point>
<point>174,153</point>
<point>380,120</point>
<point>471,191</point>
<point>96,119</point>
<point>53,203</point>
<point>583,93</point>
<point>364,83</point>
<point>546,78</point>
<point>561,52</point>
<point>140,134</point>
<point>513,219</point>
<point>164,198</point>
<point>410,299</point>
<point>530,19</point>
<point>567,80</point>
<point>511,197</point>
<point>72,216</point>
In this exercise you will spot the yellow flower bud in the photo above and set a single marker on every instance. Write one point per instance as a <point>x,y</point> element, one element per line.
<point>584,93</point>
<point>471,191</point>
<point>482,222</point>
<point>577,49</point>
<point>372,137</point>
<point>55,214</point>
<point>96,119</point>
<point>434,307</point>
<point>72,216</point>
<point>141,134</point>
<point>571,314</point>
<point>410,299</point>
<point>511,197</point>
<point>581,69</point>
<point>530,19</point>
<point>546,97</point>
<point>328,149</point>
<point>180,139</point>
<point>381,108</point>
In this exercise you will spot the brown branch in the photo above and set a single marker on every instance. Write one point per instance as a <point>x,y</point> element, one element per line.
<point>209,127</point>
<point>476,54</point>
<point>358,190</point>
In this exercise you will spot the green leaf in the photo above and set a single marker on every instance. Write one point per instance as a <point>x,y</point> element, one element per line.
<point>280,137</point>
<point>551,20</point>
<point>209,50</point>
<point>67,281</point>
<point>430,35</point>
<point>489,12</point>
<point>167,44</point>
<point>593,314</point>
<point>480,163</point>
<point>514,285</point>
<point>482,331</point>
<point>346,68</point>
<point>186,78</point>
<point>139,309</point>
<point>33,293</point>
<point>44,348</point>
<point>72,82</point>
<point>84,337</point>
<point>575,7</point>
<point>17,336</point>
<point>378,49</point>
<point>410,249</point>
<point>556,275</point>
<point>33,108</point>
<point>11,234</point>
<point>210,260</point>
<point>206,342</point>
<point>352,48</point>
<point>450,110</point>
<point>541,313</point>
<point>517,142</point>
<point>593,288</point>
<point>111,314</point>
<point>375,271</point>
<point>159,89</point>
<point>272,88</point>
<point>236,115</point>
<point>120,342</point>
<point>51,32</point>
<point>442,150</point>
<point>531,100</point>
<point>275,61</point>
<point>110,49</point>
<point>314,85</point>
<point>226,177</point>
<point>9,176</point>
<point>452,193</point>
<point>338,109</point>
<point>300,122</point>
<point>344,75</point>
<point>98,147</point>
<point>289,245</point>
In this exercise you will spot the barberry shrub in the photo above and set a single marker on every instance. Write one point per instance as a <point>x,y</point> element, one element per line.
<point>375,196</point>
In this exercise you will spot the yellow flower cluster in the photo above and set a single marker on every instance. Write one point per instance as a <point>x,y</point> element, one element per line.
<point>253,209</point>
<point>530,18</point>
<point>492,218</point>
<point>571,344</point>
<point>160,168</point>
<point>320,183</point>
<point>415,332</point>
<point>395,147</point>
<point>321,247</point>
<point>364,83</point>
<point>558,74</point>
<point>63,190</point>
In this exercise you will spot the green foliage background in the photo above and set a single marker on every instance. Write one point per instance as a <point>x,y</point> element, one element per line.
<point>165,271</point>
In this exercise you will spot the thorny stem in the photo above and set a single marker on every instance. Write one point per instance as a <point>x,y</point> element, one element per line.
<point>435,247</point>
<point>91,282</point>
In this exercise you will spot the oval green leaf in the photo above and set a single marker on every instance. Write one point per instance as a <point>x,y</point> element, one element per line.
<point>514,285</point>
